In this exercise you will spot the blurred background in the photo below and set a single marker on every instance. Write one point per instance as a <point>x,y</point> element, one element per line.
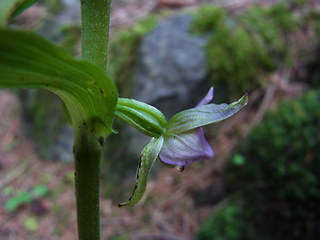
<point>264,181</point>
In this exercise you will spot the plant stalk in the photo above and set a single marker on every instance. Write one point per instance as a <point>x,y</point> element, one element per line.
<point>95,17</point>
<point>87,154</point>
<point>88,145</point>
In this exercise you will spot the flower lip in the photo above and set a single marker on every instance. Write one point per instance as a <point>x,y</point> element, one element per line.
<point>184,141</point>
<point>185,148</point>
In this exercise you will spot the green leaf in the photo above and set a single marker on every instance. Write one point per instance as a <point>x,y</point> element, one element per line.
<point>39,191</point>
<point>238,160</point>
<point>145,118</point>
<point>204,115</point>
<point>31,224</point>
<point>5,9</point>
<point>9,9</point>
<point>148,157</point>
<point>21,6</point>
<point>29,61</point>
<point>14,202</point>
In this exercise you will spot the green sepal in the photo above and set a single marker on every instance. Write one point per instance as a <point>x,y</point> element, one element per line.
<point>204,115</point>
<point>148,157</point>
<point>145,118</point>
<point>29,61</point>
<point>9,9</point>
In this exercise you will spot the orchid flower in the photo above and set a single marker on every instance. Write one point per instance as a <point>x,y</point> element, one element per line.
<point>179,141</point>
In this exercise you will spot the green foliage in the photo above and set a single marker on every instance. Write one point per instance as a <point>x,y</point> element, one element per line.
<point>223,224</point>
<point>124,51</point>
<point>279,181</point>
<point>21,197</point>
<point>275,178</point>
<point>21,6</point>
<point>145,118</point>
<point>243,47</point>
<point>208,19</point>
<point>238,160</point>
<point>278,16</point>
<point>148,156</point>
<point>9,9</point>
<point>234,56</point>
<point>27,60</point>
<point>88,94</point>
<point>271,25</point>
<point>31,224</point>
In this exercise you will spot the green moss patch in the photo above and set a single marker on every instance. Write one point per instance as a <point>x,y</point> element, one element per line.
<point>275,176</point>
<point>243,47</point>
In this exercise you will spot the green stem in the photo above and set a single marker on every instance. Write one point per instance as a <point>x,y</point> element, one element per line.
<point>87,147</point>
<point>87,154</point>
<point>95,30</point>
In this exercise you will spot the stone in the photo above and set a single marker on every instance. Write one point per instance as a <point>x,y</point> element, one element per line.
<point>171,67</point>
<point>44,121</point>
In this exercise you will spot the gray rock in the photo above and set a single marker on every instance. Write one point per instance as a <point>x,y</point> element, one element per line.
<point>61,150</point>
<point>68,15</point>
<point>172,66</point>
<point>44,121</point>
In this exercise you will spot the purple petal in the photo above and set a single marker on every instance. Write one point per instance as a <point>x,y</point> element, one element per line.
<point>185,148</point>
<point>207,98</point>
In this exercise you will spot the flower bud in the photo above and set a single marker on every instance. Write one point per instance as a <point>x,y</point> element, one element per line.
<point>145,118</point>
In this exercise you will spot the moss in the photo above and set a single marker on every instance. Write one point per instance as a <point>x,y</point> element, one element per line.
<point>242,47</point>
<point>274,179</point>
<point>272,26</point>
<point>237,59</point>
<point>124,49</point>
<point>223,224</point>
<point>278,181</point>
<point>208,18</point>
<point>234,57</point>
